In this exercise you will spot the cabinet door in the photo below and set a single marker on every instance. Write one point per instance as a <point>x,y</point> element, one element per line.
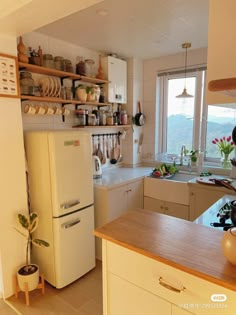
<point>117,75</point>
<point>135,195</point>
<point>153,204</point>
<point>176,210</point>
<point>201,199</point>
<point>124,298</point>
<point>117,202</point>
<point>179,311</point>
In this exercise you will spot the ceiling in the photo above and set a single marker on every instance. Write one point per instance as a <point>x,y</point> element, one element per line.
<point>131,28</point>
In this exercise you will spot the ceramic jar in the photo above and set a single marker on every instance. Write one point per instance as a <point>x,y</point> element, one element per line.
<point>81,94</point>
<point>97,91</point>
<point>229,245</point>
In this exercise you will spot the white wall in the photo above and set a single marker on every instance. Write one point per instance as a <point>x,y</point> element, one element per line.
<point>12,181</point>
<point>132,156</point>
<point>221,46</point>
<point>150,93</point>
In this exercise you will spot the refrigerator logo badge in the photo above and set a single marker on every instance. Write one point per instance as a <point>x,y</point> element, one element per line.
<point>75,143</point>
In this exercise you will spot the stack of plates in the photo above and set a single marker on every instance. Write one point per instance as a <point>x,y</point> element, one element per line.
<point>49,86</point>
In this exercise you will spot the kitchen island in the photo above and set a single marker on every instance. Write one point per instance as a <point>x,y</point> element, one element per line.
<point>174,265</point>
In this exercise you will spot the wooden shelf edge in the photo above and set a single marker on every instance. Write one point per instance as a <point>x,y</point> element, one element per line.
<point>60,100</point>
<point>225,86</point>
<point>59,73</point>
<point>106,126</point>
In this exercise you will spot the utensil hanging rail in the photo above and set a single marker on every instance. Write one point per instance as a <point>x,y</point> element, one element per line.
<point>107,134</point>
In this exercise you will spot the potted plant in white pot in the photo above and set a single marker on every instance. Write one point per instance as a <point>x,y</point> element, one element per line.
<point>29,273</point>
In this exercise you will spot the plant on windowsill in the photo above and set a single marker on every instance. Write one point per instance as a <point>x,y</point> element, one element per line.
<point>193,156</point>
<point>29,273</point>
<point>225,147</point>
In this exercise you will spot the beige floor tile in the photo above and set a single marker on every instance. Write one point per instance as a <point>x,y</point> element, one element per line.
<point>83,297</point>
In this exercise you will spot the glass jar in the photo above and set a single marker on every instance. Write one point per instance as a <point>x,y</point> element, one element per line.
<point>103,117</point>
<point>59,63</point>
<point>102,95</point>
<point>68,66</point>
<point>124,118</point>
<point>89,67</point>
<point>96,90</point>
<point>48,61</point>
<point>81,116</point>
<point>109,119</point>
<point>26,83</point>
<point>80,66</point>
<point>69,94</point>
<point>92,119</point>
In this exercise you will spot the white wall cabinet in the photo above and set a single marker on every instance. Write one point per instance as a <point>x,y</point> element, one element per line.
<point>167,207</point>
<point>115,70</point>
<point>112,203</point>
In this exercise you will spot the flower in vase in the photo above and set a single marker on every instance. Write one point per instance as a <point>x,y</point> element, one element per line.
<point>225,145</point>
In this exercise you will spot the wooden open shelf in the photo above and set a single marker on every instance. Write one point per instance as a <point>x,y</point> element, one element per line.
<point>224,86</point>
<point>59,73</point>
<point>60,100</point>
<point>106,126</point>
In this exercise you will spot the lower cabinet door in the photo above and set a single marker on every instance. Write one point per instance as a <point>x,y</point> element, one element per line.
<point>124,298</point>
<point>179,311</point>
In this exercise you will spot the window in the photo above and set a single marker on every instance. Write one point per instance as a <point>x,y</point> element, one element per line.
<point>179,118</point>
<point>220,122</point>
<point>189,121</point>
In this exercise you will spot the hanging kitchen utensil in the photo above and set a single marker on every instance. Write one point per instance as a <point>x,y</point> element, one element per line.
<point>99,151</point>
<point>139,118</point>
<point>104,159</point>
<point>107,148</point>
<point>120,155</point>
<point>113,158</point>
<point>94,146</point>
<point>116,149</point>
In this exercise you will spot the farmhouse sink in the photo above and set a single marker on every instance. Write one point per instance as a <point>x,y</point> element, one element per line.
<point>174,189</point>
<point>182,177</point>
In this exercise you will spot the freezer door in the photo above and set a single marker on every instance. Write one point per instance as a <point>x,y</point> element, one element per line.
<point>70,155</point>
<point>74,246</point>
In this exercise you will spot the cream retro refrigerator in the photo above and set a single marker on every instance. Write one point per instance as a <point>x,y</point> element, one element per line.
<point>61,192</point>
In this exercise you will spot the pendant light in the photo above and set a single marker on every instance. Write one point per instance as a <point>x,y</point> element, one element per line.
<point>185,94</point>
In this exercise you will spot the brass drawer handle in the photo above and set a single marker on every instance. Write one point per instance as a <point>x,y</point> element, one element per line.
<point>170,287</point>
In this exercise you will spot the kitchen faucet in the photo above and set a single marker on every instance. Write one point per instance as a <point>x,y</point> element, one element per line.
<point>182,154</point>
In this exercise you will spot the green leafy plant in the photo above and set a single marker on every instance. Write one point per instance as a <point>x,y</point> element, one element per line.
<point>28,225</point>
<point>193,155</point>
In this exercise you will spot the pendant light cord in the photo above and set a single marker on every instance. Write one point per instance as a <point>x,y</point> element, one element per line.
<point>185,67</point>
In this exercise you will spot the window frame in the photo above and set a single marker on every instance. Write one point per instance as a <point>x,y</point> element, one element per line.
<point>199,121</point>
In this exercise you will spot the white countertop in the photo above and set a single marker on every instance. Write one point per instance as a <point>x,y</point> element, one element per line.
<point>121,175</point>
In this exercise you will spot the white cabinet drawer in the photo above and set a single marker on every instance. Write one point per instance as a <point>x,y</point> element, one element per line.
<point>125,298</point>
<point>147,273</point>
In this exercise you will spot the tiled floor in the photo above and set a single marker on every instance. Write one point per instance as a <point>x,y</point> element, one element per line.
<point>83,297</point>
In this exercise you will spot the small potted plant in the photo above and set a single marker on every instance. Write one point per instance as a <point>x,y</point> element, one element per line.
<point>90,94</point>
<point>29,273</point>
<point>193,156</point>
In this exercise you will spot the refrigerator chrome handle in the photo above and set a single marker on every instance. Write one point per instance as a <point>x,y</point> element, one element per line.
<point>70,224</point>
<point>70,204</point>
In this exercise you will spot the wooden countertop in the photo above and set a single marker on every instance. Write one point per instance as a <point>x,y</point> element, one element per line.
<point>190,247</point>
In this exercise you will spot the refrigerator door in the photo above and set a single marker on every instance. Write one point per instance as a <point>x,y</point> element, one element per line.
<point>70,155</point>
<point>74,246</point>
